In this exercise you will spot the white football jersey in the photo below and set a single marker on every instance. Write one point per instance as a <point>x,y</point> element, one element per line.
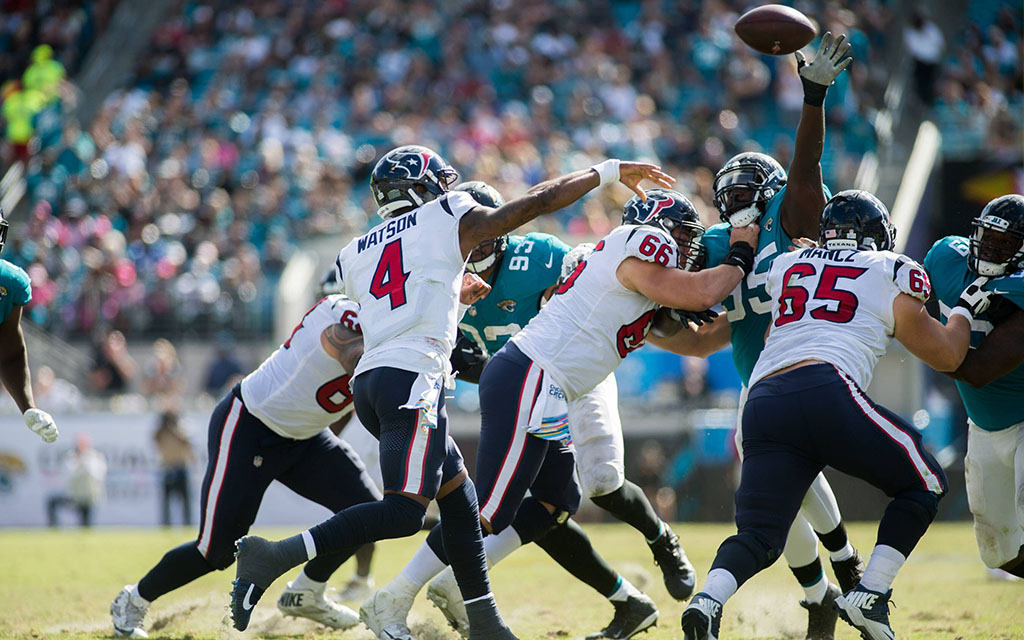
<point>300,389</point>
<point>406,275</point>
<point>836,306</point>
<point>583,333</point>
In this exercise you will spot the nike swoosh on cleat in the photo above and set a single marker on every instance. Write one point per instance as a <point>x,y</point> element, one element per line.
<point>245,603</point>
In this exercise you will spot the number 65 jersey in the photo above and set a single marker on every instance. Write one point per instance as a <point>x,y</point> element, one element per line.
<point>836,306</point>
<point>586,329</point>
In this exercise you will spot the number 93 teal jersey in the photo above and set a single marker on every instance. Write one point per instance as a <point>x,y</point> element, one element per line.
<point>999,404</point>
<point>531,264</point>
<point>749,307</point>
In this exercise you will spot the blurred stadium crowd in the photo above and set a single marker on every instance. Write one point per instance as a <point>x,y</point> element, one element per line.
<point>251,126</point>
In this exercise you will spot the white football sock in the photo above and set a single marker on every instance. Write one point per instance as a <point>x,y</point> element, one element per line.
<point>882,568</point>
<point>499,546</point>
<point>843,554</point>
<point>720,585</point>
<point>304,582</point>
<point>624,591</point>
<point>137,600</point>
<point>816,592</point>
<point>423,566</point>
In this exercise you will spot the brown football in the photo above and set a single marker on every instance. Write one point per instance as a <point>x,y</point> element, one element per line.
<point>775,29</point>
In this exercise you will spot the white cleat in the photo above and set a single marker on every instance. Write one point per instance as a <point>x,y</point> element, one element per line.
<point>307,603</point>
<point>385,614</point>
<point>357,589</point>
<point>444,592</point>
<point>128,614</point>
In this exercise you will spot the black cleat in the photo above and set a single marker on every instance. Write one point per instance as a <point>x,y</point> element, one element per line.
<point>702,619</point>
<point>676,570</point>
<point>822,617</point>
<point>867,611</point>
<point>848,572</point>
<point>259,564</point>
<point>635,614</point>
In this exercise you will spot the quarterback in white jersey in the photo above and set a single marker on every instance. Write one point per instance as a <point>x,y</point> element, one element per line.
<point>273,426</point>
<point>834,311</point>
<point>405,274</point>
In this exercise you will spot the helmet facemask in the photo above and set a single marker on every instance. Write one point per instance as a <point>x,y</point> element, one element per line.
<point>486,254</point>
<point>692,254</point>
<point>742,194</point>
<point>995,249</point>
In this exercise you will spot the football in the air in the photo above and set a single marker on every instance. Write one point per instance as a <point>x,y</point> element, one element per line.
<point>775,29</point>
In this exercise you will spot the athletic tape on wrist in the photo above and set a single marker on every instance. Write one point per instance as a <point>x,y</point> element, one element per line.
<point>961,311</point>
<point>607,171</point>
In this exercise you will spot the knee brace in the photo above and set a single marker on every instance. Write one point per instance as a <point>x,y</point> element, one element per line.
<point>532,520</point>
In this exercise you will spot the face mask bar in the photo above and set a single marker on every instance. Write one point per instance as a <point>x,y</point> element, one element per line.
<point>994,250</point>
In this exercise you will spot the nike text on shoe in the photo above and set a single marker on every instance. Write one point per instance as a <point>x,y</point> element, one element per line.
<point>867,611</point>
<point>848,572</point>
<point>385,613</point>
<point>822,617</point>
<point>306,603</point>
<point>676,569</point>
<point>635,614</point>
<point>444,592</point>
<point>128,614</point>
<point>702,619</point>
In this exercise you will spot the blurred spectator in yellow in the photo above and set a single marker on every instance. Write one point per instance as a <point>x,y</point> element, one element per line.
<point>176,455</point>
<point>113,367</point>
<point>45,74</point>
<point>86,474</point>
<point>20,106</point>
<point>164,379</point>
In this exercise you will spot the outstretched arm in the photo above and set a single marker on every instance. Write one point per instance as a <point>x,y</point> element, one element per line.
<point>14,361</point>
<point>1000,352</point>
<point>804,198</point>
<point>482,223</point>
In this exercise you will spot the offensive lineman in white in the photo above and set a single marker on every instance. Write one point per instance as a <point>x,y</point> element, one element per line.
<point>834,311</point>
<point>405,275</point>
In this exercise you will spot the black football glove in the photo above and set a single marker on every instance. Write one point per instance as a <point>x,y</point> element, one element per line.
<point>467,359</point>
<point>696,317</point>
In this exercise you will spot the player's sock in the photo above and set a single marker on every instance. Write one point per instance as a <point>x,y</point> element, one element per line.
<point>322,567</point>
<point>304,582</point>
<point>623,590</point>
<point>179,566</point>
<point>396,516</point>
<point>500,545</point>
<point>134,592</point>
<point>463,543</point>
<point>570,547</point>
<point>812,579</point>
<point>882,568</point>
<point>421,568</point>
<point>629,504</point>
<point>720,585</point>
<point>837,543</point>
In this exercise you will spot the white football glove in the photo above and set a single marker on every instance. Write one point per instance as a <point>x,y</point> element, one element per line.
<point>974,299</point>
<point>827,64</point>
<point>42,423</point>
<point>572,259</point>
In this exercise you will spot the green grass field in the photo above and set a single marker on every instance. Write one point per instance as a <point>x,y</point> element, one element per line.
<point>59,584</point>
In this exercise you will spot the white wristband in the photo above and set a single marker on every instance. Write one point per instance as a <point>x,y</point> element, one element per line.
<point>607,171</point>
<point>463,308</point>
<point>960,311</point>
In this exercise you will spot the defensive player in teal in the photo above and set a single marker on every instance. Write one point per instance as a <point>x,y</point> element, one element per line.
<point>991,378</point>
<point>754,188</point>
<point>15,293</point>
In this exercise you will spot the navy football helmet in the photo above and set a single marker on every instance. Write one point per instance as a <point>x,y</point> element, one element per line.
<point>744,186</point>
<point>673,212</point>
<point>489,252</point>
<point>855,219</point>
<point>407,177</point>
<point>3,229</point>
<point>997,237</point>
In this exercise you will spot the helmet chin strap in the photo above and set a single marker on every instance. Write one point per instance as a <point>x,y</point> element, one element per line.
<point>990,269</point>
<point>745,216</point>
<point>483,264</point>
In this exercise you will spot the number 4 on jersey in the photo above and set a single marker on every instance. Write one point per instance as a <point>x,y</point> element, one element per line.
<point>390,276</point>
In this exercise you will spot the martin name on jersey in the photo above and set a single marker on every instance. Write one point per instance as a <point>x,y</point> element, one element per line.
<point>999,404</point>
<point>593,322</point>
<point>410,317</point>
<point>299,390</point>
<point>836,306</point>
<point>531,264</point>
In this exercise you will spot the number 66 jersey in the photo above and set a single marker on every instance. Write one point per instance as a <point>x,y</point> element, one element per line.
<point>836,306</point>
<point>586,329</point>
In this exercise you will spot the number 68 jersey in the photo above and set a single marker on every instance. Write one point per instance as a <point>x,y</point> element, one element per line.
<point>585,330</point>
<point>836,306</point>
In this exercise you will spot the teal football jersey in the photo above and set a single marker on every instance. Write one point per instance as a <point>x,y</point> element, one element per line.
<point>999,404</point>
<point>749,307</point>
<point>15,288</point>
<point>531,264</point>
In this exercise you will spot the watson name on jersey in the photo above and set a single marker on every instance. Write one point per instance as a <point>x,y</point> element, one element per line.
<point>593,322</point>
<point>836,306</point>
<point>300,389</point>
